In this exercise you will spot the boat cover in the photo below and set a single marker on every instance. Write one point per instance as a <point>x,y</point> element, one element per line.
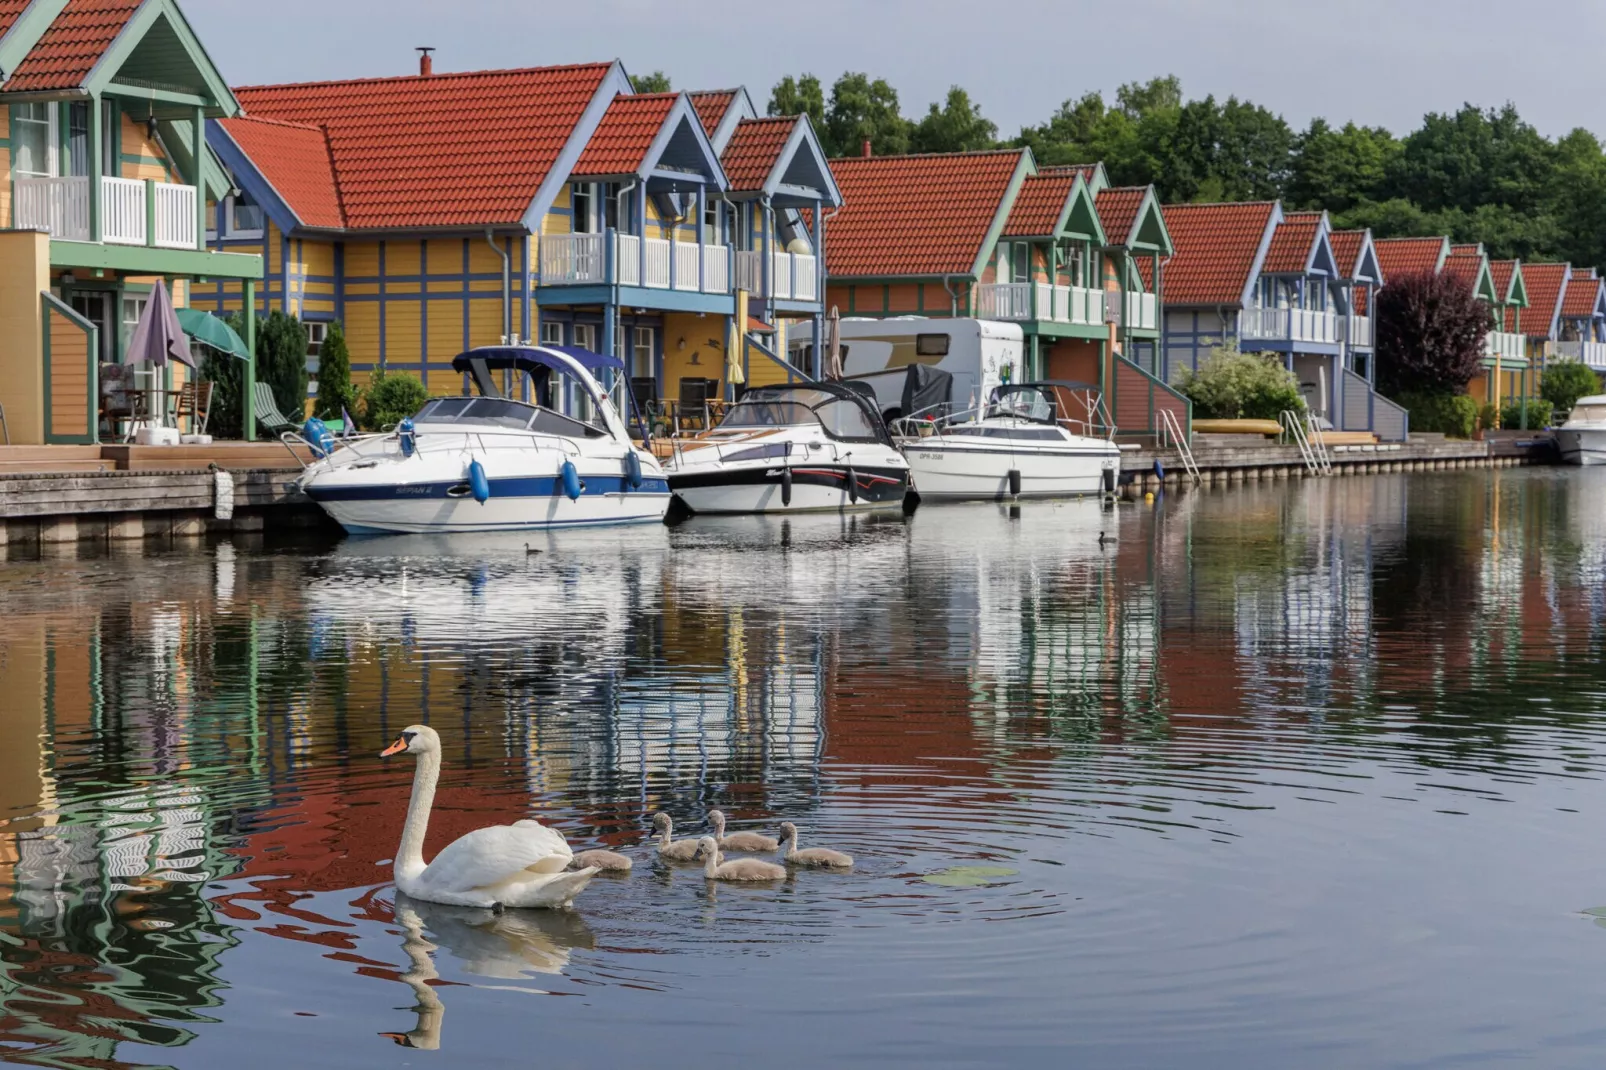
<point>927,391</point>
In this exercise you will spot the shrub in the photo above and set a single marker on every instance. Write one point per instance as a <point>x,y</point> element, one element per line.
<point>1430,333</point>
<point>1565,381</point>
<point>1540,412</point>
<point>282,361</point>
<point>1488,417</point>
<point>1231,385</point>
<point>335,391</point>
<point>227,375</point>
<point>1455,415</point>
<point>391,397</point>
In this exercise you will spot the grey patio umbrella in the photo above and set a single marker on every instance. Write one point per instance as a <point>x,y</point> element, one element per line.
<point>158,336</point>
<point>833,344</point>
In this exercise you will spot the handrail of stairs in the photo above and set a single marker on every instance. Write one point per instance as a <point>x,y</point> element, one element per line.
<point>1171,428</point>
<point>1301,427</point>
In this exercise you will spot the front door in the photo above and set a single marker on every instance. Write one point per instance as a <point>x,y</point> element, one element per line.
<point>96,307</point>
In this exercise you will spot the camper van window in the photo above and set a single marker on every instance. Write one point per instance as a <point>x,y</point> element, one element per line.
<point>931,345</point>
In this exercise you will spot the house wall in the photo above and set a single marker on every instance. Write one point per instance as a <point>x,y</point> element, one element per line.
<point>693,347</point>
<point>1076,359</point>
<point>24,275</point>
<point>897,298</point>
<point>1190,335</point>
<point>143,156</point>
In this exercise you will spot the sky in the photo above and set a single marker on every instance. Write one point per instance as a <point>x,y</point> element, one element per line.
<point>1378,62</point>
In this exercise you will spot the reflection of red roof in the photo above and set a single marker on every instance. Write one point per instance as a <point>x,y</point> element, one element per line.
<point>1582,297</point>
<point>754,148</point>
<point>446,150</point>
<point>70,47</point>
<point>295,160</point>
<point>1118,211</point>
<point>1292,243</point>
<point>916,215</point>
<point>626,132</point>
<point>1408,256</point>
<point>1038,205</point>
<point>1545,283</point>
<point>711,106</point>
<point>1216,245</point>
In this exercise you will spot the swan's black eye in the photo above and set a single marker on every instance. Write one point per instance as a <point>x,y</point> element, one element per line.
<point>409,736</point>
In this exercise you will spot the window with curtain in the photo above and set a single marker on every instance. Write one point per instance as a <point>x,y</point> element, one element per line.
<point>78,139</point>
<point>33,141</point>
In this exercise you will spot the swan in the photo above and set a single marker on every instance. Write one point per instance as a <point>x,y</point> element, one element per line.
<point>740,869</point>
<point>821,857</point>
<point>738,841</point>
<point>671,849</point>
<point>517,865</point>
<point>604,861</point>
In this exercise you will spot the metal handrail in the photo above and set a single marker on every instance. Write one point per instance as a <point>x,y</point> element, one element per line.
<point>1171,428</point>
<point>1301,427</point>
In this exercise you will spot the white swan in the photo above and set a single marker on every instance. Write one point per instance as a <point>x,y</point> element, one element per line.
<point>741,869</point>
<point>517,865</point>
<point>739,841</point>
<point>819,857</point>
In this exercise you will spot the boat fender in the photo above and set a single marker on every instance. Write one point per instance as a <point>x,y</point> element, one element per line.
<point>1014,482</point>
<point>571,481</point>
<point>478,485</point>
<point>853,485</point>
<point>786,484</point>
<point>407,437</point>
<point>632,470</point>
<point>1159,471</point>
<point>318,436</point>
<point>1109,481</point>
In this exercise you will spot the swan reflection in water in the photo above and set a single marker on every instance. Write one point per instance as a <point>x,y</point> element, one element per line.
<point>506,947</point>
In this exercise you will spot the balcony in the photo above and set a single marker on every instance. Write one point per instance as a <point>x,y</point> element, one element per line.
<point>1502,346</point>
<point>132,212</point>
<point>1590,353</point>
<point>795,276</point>
<point>581,260</point>
<point>1356,330</point>
<point>1142,312</point>
<point>1040,301</point>
<point>1288,325</point>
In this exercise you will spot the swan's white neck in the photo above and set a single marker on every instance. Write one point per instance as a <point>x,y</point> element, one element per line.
<point>791,846</point>
<point>410,855</point>
<point>711,867</point>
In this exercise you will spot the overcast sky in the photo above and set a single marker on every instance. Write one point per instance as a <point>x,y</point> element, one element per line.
<point>1379,62</point>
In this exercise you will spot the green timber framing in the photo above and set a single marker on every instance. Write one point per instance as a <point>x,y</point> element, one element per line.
<point>154,72</point>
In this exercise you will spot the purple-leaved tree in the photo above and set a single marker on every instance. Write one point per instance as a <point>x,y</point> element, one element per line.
<point>1430,334</point>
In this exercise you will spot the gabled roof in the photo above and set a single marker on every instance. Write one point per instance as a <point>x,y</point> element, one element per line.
<point>620,144</point>
<point>1131,217</point>
<point>1219,248</point>
<point>1509,285</point>
<point>9,11</point>
<point>70,48</point>
<point>1297,246</point>
<point>755,149</point>
<point>1411,256</point>
<point>1585,298</point>
<point>294,159</point>
<point>920,215</point>
<point>1054,205</point>
<point>1468,264</point>
<point>448,150</point>
<point>1547,285</point>
<point>779,157</point>
<point>711,105</point>
<point>1092,173</point>
<point>1356,256</point>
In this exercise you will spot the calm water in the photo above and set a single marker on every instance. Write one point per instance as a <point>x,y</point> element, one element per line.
<point>1297,775</point>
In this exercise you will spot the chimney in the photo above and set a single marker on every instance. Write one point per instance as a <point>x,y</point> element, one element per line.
<point>426,65</point>
<point>866,149</point>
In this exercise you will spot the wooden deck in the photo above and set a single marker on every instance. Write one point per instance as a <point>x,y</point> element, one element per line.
<point>233,456</point>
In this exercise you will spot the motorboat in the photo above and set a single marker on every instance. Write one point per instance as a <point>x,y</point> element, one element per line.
<point>1582,438</point>
<point>494,462</point>
<point>1030,440</point>
<point>791,448</point>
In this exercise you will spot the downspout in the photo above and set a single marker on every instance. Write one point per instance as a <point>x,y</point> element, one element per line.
<point>953,298</point>
<point>507,305</point>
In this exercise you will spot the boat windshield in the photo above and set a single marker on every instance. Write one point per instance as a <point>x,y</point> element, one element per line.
<point>746,414</point>
<point>842,417</point>
<point>484,412</point>
<point>1024,403</point>
<point>1587,414</point>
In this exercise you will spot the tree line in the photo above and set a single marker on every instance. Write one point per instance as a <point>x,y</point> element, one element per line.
<point>1478,175</point>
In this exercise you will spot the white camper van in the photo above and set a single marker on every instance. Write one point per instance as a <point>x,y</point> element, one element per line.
<point>979,354</point>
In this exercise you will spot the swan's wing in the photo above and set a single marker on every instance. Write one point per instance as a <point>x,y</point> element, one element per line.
<point>491,856</point>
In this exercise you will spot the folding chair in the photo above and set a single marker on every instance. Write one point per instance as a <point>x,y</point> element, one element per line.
<point>194,401</point>
<point>267,410</point>
<point>693,404</point>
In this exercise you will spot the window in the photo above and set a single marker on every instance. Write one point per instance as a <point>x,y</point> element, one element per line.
<point>145,375</point>
<point>641,351</point>
<point>111,145</point>
<point>711,221</point>
<point>316,333</point>
<point>78,138</point>
<point>613,207</point>
<point>931,345</point>
<point>585,336</point>
<point>551,332</point>
<point>33,140</point>
<point>582,202</point>
<point>245,217</point>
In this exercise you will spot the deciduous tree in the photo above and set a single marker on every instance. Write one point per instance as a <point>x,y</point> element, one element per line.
<point>1430,334</point>
<point>958,126</point>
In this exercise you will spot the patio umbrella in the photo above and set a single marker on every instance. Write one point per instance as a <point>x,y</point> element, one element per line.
<point>212,331</point>
<point>833,345</point>
<point>158,336</point>
<point>735,374</point>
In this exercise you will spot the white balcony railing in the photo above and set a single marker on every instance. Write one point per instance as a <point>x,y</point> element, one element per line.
<point>570,259</point>
<point>717,270</point>
<point>577,260</point>
<point>1142,311</point>
<point>1004,301</point>
<point>688,267</point>
<point>61,206</point>
<point>1356,330</point>
<point>656,275</point>
<point>627,259</point>
<point>805,277</point>
<point>793,276</point>
<point>750,271</point>
<point>1590,353</point>
<point>1287,325</point>
<point>1501,345</point>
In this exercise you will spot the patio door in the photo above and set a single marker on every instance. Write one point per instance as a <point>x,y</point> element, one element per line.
<point>95,306</point>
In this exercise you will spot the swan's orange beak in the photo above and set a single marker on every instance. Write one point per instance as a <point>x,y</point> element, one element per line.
<point>395,748</point>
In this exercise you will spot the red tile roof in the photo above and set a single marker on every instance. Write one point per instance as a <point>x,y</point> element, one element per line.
<point>295,160</point>
<point>446,150</point>
<point>1118,211</point>
<point>1501,271</point>
<point>1545,283</point>
<point>1037,207</point>
<point>916,215</point>
<point>1466,250</point>
<point>1408,256</point>
<point>754,148</point>
<point>72,44</point>
<point>1086,170</point>
<point>1216,246</point>
<point>626,132</point>
<point>9,10</point>
<point>1466,266</point>
<point>1583,294</point>
<point>711,105</point>
<point>1291,244</point>
<point>1347,245</point>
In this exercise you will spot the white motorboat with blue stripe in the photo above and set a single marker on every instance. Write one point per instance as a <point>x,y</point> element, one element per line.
<point>495,462</point>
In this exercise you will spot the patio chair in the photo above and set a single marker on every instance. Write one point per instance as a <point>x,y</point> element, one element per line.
<point>644,392</point>
<point>194,401</point>
<point>693,404</point>
<point>267,410</point>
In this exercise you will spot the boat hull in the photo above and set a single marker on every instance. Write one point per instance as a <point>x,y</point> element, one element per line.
<point>949,471</point>
<point>513,505</point>
<point>1582,447</point>
<point>815,488</point>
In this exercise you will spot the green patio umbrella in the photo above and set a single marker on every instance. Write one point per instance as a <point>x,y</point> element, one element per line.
<point>210,330</point>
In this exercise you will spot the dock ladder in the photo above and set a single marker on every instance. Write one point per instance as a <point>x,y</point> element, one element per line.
<point>1171,429</point>
<point>1301,427</point>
